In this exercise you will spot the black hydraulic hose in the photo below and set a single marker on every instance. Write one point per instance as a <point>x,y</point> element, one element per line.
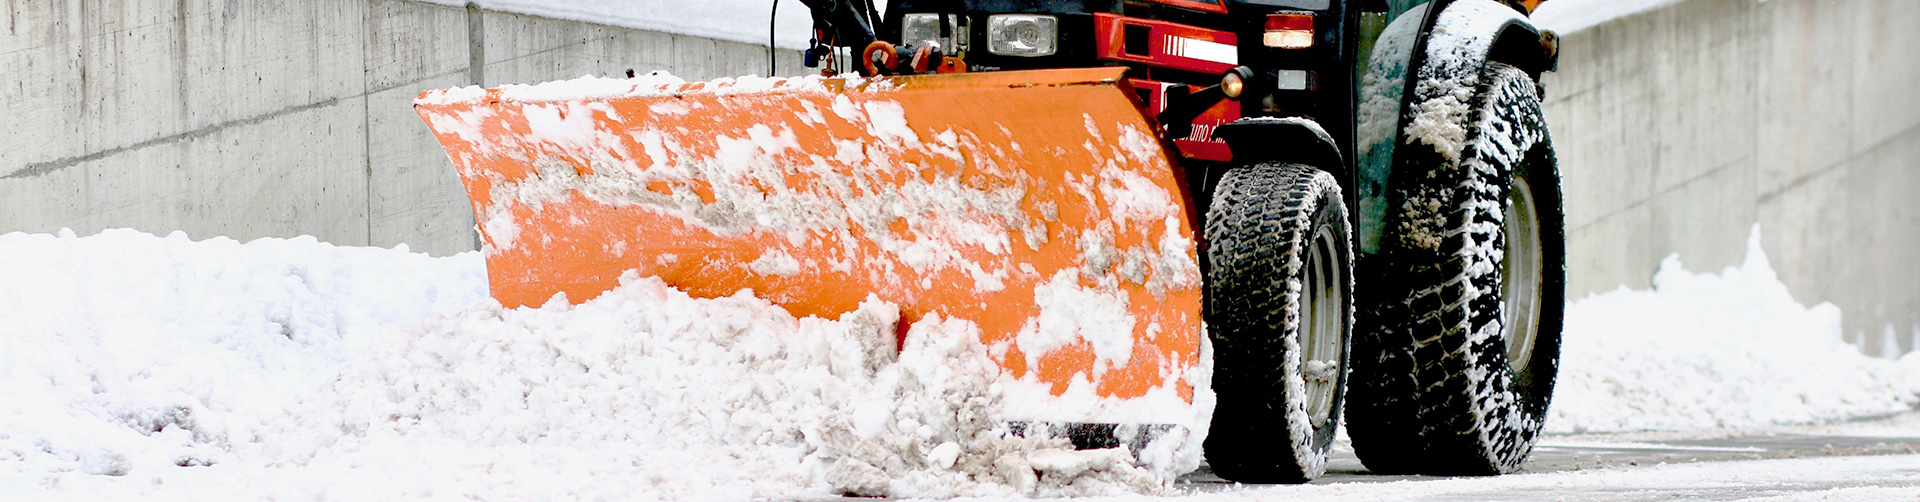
<point>848,23</point>
<point>773,20</point>
<point>873,16</point>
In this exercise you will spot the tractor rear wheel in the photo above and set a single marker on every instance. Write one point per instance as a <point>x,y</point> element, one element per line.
<point>1279,313</point>
<point>1458,338</point>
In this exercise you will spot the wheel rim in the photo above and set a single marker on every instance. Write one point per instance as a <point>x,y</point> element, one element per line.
<point>1325,325</point>
<point>1520,275</point>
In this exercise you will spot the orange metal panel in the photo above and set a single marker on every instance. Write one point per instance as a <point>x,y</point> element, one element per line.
<point>992,197</point>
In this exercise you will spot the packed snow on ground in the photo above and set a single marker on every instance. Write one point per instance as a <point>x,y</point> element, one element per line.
<point>160,367</point>
<point>1890,478</point>
<point>745,21</point>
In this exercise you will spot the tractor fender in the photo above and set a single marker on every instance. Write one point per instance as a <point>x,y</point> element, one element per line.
<point>1289,139</point>
<point>1416,96</point>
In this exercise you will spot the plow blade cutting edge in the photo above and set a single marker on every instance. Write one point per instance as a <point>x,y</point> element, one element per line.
<point>1039,205</point>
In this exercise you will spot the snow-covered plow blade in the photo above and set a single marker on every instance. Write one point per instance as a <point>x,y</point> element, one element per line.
<point>1039,205</point>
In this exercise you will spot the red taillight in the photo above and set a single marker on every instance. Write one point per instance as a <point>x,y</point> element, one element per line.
<point>1289,31</point>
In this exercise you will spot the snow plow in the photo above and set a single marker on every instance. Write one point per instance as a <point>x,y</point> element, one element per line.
<point>1357,200</point>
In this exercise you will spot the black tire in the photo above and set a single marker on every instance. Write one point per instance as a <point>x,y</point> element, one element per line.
<point>1279,311</point>
<point>1434,390</point>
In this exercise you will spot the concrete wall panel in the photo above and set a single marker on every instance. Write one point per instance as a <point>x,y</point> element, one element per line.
<point>253,58</point>
<point>1806,94</point>
<point>1681,127</point>
<point>1885,69</point>
<point>220,183</point>
<point>410,42</point>
<point>254,118</point>
<point>522,49</point>
<point>61,59</point>
<point>1607,101</point>
<point>413,195</point>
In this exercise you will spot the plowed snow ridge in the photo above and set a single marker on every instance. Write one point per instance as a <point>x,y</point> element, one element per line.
<point>295,367</point>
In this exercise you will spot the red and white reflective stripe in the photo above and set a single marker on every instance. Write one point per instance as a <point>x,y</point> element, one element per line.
<point>1204,50</point>
<point>1170,45</point>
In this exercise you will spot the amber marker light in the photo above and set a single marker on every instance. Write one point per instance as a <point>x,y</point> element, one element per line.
<point>1233,84</point>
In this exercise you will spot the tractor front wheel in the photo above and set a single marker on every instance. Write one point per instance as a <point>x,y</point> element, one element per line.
<point>1279,312</point>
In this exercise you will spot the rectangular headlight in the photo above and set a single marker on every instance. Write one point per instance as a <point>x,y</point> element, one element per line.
<point>920,30</point>
<point>1027,35</point>
<point>923,30</point>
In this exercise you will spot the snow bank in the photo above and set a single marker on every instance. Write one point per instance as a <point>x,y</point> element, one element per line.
<point>1568,16</point>
<point>747,21</point>
<point>688,398</point>
<point>140,366</point>
<point>1727,350</point>
<point>743,21</point>
<point>146,367</point>
<point>124,351</point>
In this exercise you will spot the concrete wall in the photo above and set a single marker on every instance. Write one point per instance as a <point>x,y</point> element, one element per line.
<point>255,118</point>
<point>1680,128</point>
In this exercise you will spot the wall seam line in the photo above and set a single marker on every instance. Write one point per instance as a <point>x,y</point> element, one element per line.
<point>1671,189</point>
<point>1836,165</point>
<point>38,169</point>
<point>366,115</point>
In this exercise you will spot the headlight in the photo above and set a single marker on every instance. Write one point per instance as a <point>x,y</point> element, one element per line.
<point>923,30</point>
<point>1021,34</point>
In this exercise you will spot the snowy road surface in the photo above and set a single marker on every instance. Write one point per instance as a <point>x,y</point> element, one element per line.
<point>1857,478</point>
<point>163,368</point>
<point>1865,460</point>
<point>1589,468</point>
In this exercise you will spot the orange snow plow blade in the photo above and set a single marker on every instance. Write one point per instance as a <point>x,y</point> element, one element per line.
<point>1039,205</point>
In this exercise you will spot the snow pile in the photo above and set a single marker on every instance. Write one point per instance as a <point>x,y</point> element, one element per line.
<point>276,368</point>
<point>744,21</point>
<point>139,366</point>
<point>1568,16</point>
<point>747,21</point>
<point>125,351</point>
<point>694,398</point>
<point>1727,350</point>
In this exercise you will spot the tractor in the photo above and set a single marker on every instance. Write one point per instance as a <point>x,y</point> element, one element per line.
<point>1342,208</point>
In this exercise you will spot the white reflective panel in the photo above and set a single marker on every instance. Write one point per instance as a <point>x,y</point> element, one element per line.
<point>1291,80</point>
<point>1204,50</point>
